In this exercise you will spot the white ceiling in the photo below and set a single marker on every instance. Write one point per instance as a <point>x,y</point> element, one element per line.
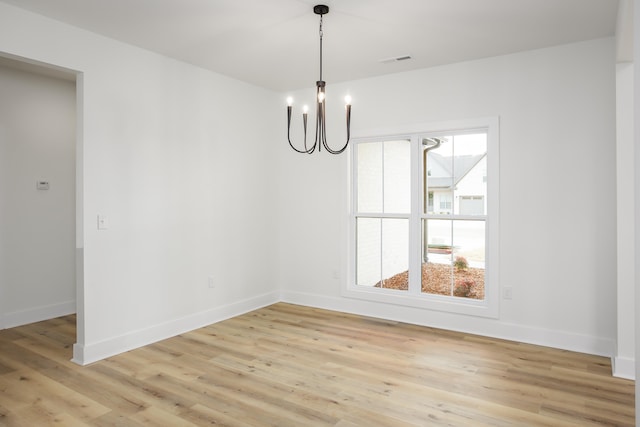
<point>274,43</point>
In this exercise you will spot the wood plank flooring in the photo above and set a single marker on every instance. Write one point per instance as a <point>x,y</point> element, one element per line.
<point>287,365</point>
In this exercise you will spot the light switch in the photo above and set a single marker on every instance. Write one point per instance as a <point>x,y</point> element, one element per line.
<point>42,185</point>
<point>102,222</point>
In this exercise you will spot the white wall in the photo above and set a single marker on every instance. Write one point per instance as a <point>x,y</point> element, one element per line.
<point>558,209</point>
<point>625,340</point>
<point>178,160</point>
<point>37,228</point>
<point>635,54</point>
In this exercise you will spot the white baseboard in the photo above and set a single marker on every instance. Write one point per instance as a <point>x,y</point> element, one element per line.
<point>37,314</point>
<point>624,367</point>
<point>93,352</point>
<point>484,327</point>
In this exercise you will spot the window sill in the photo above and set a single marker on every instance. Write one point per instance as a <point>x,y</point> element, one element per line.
<point>465,306</point>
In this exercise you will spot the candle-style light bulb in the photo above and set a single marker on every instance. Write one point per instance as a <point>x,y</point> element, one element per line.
<point>305,109</point>
<point>289,101</point>
<point>321,96</point>
<point>347,100</point>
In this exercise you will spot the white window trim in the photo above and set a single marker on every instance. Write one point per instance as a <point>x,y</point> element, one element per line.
<point>489,307</point>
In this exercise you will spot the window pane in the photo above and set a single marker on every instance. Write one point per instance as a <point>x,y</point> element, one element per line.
<point>453,258</point>
<point>470,174</point>
<point>368,251</point>
<point>397,177</point>
<point>437,248</point>
<point>384,177</point>
<point>369,177</point>
<point>382,252</point>
<point>437,159</point>
<point>469,259</point>
<point>395,253</point>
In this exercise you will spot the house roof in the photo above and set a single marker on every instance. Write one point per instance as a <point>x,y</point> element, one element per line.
<point>447,171</point>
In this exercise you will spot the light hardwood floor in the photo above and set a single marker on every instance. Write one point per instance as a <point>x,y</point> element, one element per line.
<point>287,365</point>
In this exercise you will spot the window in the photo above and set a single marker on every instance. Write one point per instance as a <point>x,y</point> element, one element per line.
<point>424,209</point>
<point>445,202</point>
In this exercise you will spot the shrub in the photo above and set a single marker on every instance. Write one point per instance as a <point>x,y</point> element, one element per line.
<point>463,288</point>
<point>460,263</point>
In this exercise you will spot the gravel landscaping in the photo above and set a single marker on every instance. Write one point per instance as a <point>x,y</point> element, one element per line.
<point>436,279</point>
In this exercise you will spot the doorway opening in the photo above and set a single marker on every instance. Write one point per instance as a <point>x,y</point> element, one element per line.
<point>41,249</point>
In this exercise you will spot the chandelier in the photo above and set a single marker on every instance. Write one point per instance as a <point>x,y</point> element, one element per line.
<point>321,132</point>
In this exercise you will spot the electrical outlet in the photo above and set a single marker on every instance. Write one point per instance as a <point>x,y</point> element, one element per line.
<point>507,293</point>
<point>212,283</point>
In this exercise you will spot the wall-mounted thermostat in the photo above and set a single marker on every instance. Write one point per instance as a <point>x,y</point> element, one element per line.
<point>42,185</point>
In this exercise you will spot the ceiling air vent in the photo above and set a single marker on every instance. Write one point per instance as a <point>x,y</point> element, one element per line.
<point>395,59</point>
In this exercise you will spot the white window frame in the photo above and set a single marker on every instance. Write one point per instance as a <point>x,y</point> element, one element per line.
<point>414,297</point>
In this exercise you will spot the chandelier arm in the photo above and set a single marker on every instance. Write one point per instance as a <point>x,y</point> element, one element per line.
<point>324,129</point>
<point>344,147</point>
<point>304,125</point>
<point>305,151</point>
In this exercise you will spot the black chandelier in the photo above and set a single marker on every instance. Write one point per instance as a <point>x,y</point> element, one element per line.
<point>321,132</point>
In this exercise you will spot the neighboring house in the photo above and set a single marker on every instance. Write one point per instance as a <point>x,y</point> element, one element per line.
<point>457,183</point>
